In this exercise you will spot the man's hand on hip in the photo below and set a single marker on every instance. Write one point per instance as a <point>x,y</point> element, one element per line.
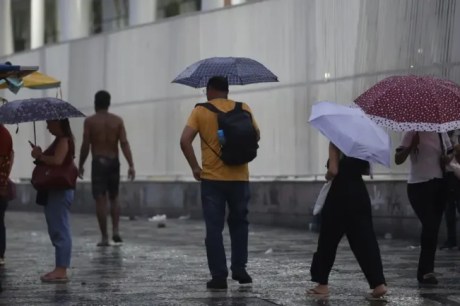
<point>197,173</point>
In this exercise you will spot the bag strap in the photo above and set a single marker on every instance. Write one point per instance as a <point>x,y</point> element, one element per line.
<point>213,109</point>
<point>213,151</point>
<point>210,107</point>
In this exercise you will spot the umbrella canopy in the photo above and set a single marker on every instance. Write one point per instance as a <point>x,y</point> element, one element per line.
<point>413,103</point>
<point>238,70</point>
<point>15,71</point>
<point>38,109</point>
<point>37,80</point>
<point>355,134</point>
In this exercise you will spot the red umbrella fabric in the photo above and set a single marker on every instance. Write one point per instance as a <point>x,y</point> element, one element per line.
<point>413,103</point>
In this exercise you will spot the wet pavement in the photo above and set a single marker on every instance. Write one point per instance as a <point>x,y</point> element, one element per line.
<point>167,266</point>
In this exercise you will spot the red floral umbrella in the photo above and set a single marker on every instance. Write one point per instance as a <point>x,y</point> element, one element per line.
<point>413,103</point>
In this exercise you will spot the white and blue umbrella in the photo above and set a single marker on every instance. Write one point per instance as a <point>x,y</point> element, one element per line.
<point>12,75</point>
<point>352,131</point>
<point>238,71</point>
<point>37,109</point>
<point>8,70</point>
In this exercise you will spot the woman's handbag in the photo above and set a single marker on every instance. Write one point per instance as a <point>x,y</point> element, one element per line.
<point>46,177</point>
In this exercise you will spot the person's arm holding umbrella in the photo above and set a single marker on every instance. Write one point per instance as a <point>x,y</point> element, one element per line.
<point>57,158</point>
<point>409,144</point>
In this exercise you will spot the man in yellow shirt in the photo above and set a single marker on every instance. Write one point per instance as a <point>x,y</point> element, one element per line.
<point>221,183</point>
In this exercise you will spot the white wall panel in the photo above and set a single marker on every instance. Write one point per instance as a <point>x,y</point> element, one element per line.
<point>358,42</point>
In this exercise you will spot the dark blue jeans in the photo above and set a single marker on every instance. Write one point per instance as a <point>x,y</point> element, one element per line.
<point>57,218</point>
<point>214,196</point>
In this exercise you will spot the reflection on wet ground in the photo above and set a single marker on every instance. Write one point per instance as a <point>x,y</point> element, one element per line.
<point>167,266</point>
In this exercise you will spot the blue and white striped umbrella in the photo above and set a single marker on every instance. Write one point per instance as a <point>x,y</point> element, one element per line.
<point>238,71</point>
<point>38,109</point>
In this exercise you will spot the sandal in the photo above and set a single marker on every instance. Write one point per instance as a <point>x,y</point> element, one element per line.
<point>373,298</point>
<point>316,293</point>
<point>53,280</point>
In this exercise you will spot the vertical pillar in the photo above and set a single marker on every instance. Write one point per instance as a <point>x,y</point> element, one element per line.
<point>6,28</point>
<point>142,11</point>
<point>207,5</point>
<point>109,14</point>
<point>74,19</point>
<point>37,23</point>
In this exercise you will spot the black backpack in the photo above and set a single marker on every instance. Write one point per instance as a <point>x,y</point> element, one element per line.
<point>241,138</point>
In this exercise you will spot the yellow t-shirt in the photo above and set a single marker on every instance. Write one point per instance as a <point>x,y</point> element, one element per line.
<point>205,122</point>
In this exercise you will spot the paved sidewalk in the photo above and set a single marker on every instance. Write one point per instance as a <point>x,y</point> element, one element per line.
<point>167,266</point>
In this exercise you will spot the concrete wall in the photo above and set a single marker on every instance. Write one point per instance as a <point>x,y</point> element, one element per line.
<point>283,203</point>
<point>354,43</point>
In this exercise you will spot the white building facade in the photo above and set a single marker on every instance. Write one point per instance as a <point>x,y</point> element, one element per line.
<point>320,50</point>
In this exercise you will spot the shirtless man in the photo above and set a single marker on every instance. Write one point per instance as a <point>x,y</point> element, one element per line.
<point>102,133</point>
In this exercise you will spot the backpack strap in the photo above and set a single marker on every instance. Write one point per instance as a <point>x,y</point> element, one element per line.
<point>210,107</point>
<point>207,144</point>
<point>238,106</point>
<point>213,109</point>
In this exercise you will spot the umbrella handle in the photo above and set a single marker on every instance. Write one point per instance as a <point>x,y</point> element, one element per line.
<point>59,93</point>
<point>35,135</point>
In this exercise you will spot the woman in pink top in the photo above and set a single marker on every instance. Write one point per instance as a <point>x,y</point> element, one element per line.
<point>426,194</point>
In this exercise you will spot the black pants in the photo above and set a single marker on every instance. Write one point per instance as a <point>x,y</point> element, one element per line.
<point>347,211</point>
<point>3,206</point>
<point>452,206</point>
<point>428,200</point>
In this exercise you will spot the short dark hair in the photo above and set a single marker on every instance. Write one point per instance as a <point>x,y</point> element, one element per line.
<point>218,83</point>
<point>102,99</point>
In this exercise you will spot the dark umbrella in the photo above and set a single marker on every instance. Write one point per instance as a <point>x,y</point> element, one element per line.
<point>238,71</point>
<point>38,109</point>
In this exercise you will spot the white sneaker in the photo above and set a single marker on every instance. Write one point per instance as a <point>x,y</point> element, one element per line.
<point>2,261</point>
